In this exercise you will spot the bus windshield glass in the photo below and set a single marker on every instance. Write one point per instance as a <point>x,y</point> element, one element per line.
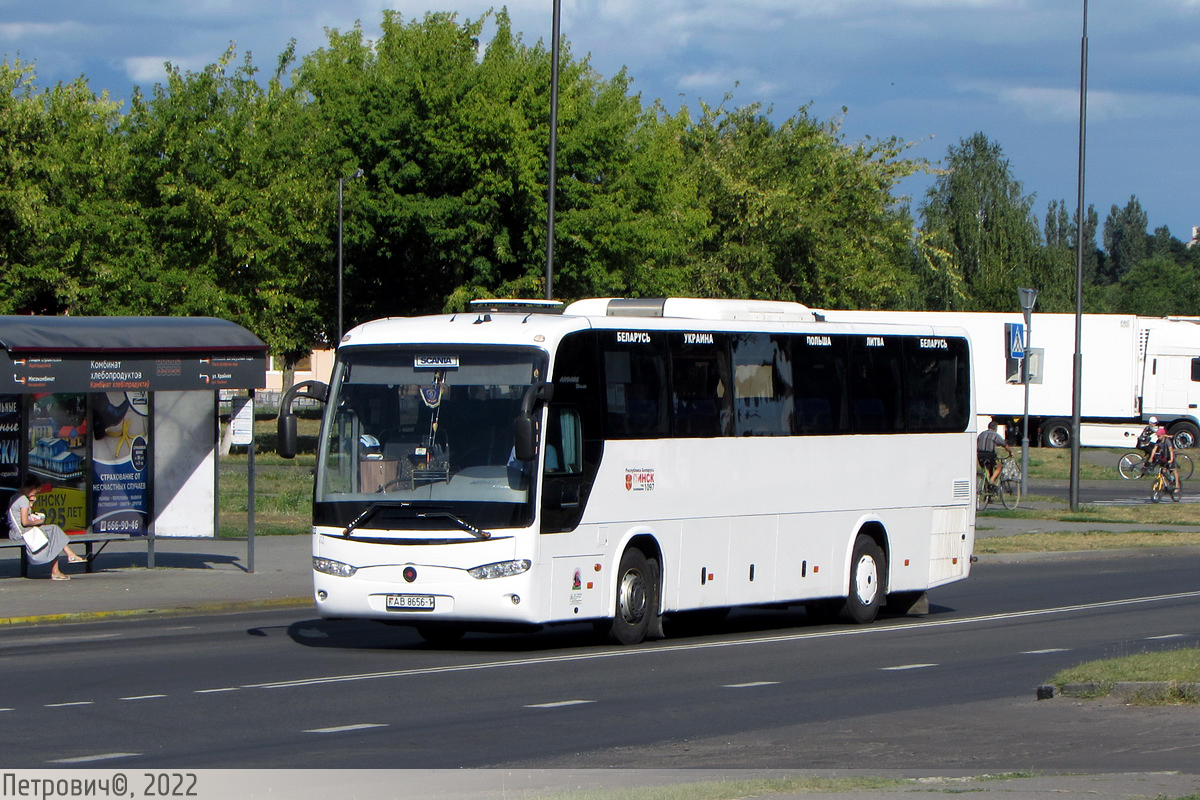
<point>426,427</point>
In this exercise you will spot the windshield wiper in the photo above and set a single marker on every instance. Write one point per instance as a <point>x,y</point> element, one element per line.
<point>457,520</point>
<point>371,510</point>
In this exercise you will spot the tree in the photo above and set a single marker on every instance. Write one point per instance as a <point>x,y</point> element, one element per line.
<point>71,237</point>
<point>222,168</point>
<point>976,215</point>
<point>799,214</point>
<point>1125,240</point>
<point>1157,286</point>
<point>1062,258</point>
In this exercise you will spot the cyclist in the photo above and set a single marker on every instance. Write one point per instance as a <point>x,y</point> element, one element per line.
<point>1163,454</point>
<point>985,451</point>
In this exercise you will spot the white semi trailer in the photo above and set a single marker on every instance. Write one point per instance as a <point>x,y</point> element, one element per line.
<point>1133,368</point>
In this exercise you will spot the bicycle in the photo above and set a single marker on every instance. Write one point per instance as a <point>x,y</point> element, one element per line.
<point>1164,481</point>
<point>1008,490</point>
<point>1132,465</point>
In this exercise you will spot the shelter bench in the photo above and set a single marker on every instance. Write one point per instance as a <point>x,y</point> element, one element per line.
<point>88,540</point>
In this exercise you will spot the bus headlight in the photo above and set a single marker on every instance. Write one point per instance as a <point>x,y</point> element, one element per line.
<point>331,567</point>
<point>503,569</point>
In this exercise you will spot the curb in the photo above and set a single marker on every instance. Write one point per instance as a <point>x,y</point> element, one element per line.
<point>173,611</point>
<point>1121,690</point>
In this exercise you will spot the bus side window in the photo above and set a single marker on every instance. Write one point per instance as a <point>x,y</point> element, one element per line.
<point>819,368</point>
<point>876,401</point>
<point>936,382</point>
<point>564,442</point>
<point>763,393</point>
<point>635,379</point>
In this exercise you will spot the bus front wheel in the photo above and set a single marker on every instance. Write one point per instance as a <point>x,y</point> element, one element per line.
<point>637,598</point>
<point>868,569</point>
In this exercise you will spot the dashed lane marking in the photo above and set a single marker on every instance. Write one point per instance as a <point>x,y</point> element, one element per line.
<point>362,726</point>
<point>903,667</point>
<point>750,685</point>
<point>88,759</point>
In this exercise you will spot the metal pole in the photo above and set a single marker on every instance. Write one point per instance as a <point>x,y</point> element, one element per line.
<point>358,173</point>
<point>1077,374</point>
<point>552,180</point>
<point>341,183</point>
<point>1025,380</point>
<point>250,492</point>
<point>1027,299</point>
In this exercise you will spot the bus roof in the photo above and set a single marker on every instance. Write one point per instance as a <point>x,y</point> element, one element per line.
<point>536,324</point>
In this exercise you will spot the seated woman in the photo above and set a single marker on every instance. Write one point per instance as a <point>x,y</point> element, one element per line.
<point>22,517</point>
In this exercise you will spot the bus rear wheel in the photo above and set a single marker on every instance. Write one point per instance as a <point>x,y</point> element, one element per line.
<point>637,599</point>
<point>868,568</point>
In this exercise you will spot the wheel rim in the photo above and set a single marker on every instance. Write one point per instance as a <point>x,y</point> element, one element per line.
<point>866,580</point>
<point>632,605</point>
<point>1129,467</point>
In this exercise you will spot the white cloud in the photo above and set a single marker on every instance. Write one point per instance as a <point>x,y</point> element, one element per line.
<point>18,31</point>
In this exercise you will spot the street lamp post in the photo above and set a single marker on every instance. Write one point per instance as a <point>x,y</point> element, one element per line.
<point>1027,298</point>
<point>358,173</point>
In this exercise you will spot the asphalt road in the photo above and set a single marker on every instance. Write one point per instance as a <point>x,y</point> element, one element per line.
<point>765,690</point>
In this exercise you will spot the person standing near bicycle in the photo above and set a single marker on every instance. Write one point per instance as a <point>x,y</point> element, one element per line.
<point>985,451</point>
<point>1163,454</point>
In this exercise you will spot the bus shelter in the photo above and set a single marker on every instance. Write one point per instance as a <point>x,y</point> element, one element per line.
<point>119,415</point>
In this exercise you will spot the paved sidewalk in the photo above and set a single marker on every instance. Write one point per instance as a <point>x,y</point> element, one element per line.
<point>189,575</point>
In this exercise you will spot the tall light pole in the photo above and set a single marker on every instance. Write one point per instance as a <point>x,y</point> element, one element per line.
<point>358,173</point>
<point>1027,298</point>
<point>1077,363</point>
<point>552,179</point>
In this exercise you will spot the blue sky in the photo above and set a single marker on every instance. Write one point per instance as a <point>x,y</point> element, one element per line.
<point>932,72</point>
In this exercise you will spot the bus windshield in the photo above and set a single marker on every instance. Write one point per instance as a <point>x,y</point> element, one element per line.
<point>426,427</point>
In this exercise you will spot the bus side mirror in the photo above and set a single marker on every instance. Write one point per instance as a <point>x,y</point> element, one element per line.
<point>525,444</point>
<point>526,438</point>
<point>286,427</point>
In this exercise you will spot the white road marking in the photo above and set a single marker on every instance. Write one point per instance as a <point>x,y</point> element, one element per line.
<point>217,691</point>
<point>561,703</point>
<point>73,703</point>
<point>1043,652</point>
<point>345,728</point>
<point>144,697</point>
<point>1165,636</point>
<point>749,685</point>
<point>634,652</point>
<point>903,667</point>
<point>87,759</point>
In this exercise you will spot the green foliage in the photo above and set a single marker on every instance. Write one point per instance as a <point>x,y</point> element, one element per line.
<point>216,193</point>
<point>977,218</point>
<point>1125,240</point>
<point>799,215</point>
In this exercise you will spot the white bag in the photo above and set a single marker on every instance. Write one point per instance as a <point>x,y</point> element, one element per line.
<point>35,539</point>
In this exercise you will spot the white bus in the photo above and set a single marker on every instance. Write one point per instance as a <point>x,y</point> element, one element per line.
<point>629,459</point>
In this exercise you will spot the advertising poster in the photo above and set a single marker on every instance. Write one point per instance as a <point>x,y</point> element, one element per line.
<point>57,453</point>
<point>10,441</point>
<point>121,462</point>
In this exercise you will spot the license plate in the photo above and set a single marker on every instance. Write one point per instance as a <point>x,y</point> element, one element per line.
<point>410,602</point>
